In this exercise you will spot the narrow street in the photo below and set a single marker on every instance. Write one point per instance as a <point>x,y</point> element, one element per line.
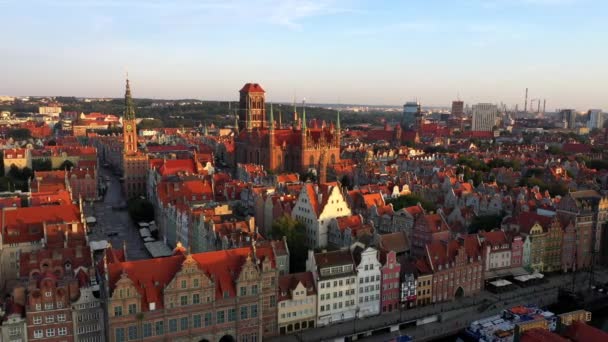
<point>115,222</point>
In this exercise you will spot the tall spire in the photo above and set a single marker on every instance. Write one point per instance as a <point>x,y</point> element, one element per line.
<point>338,122</point>
<point>304,117</point>
<point>295,110</point>
<point>129,107</point>
<point>249,127</point>
<point>271,120</point>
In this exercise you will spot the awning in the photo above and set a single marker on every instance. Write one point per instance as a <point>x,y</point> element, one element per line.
<point>143,224</point>
<point>507,272</point>
<point>532,276</point>
<point>98,245</point>
<point>501,283</point>
<point>158,249</point>
<point>144,232</point>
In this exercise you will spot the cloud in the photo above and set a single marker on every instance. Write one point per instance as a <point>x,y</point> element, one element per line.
<point>287,13</point>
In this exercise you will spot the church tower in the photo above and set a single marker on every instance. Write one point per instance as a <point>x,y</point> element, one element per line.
<point>129,129</point>
<point>134,163</point>
<point>252,107</point>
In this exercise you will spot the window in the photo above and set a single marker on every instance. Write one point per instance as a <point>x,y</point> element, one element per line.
<point>37,320</point>
<point>38,307</point>
<point>48,293</point>
<point>183,300</point>
<point>195,282</point>
<point>208,319</point>
<point>196,298</point>
<point>132,332</point>
<point>254,311</point>
<point>254,290</point>
<point>231,315</point>
<point>172,325</point>
<point>196,321</point>
<point>48,306</point>
<point>159,328</point>
<point>243,312</point>
<point>49,319</point>
<point>120,334</point>
<point>38,333</point>
<point>184,284</point>
<point>147,329</point>
<point>117,311</point>
<point>243,291</point>
<point>273,301</point>
<point>220,317</point>
<point>183,323</point>
<point>132,309</point>
<point>14,331</point>
<point>61,318</point>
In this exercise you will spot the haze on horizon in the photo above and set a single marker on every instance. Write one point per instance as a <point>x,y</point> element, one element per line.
<point>328,51</point>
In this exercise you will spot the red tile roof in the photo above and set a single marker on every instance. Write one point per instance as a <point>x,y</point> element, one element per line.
<point>289,282</point>
<point>541,335</point>
<point>152,275</point>
<point>581,332</point>
<point>21,225</point>
<point>252,88</point>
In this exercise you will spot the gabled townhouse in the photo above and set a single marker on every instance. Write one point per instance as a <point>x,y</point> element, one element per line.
<point>297,303</point>
<point>390,273</point>
<point>26,229</point>
<point>336,282</point>
<point>12,321</point>
<point>457,268</point>
<point>345,231</point>
<point>497,253</point>
<point>368,280</point>
<point>589,211</point>
<point>382,217</point>
<point>316,206</point>
<point>204,296</point>
<point>405,219</point>
<point>430,227</point>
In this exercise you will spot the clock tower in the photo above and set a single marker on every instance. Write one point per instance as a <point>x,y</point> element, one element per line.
<point>128,124</point>
<point>134,162</point>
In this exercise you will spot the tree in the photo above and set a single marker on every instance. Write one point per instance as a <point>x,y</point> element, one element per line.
<point>295,234</point>
<point>66,165</point>
<point>346,182</point>
<point>150,123</point>
<point>485,223</point>
<point>42,165</point>
<point>141,210</point>
<point>20,134</point>
<point>411,200</point>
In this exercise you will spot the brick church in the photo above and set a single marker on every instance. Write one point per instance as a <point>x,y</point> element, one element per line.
<point>296,147</point>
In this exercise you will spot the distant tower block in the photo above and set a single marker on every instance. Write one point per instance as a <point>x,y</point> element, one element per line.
<point>526,102</point>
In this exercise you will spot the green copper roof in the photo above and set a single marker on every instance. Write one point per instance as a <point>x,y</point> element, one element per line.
<point>129,106</point>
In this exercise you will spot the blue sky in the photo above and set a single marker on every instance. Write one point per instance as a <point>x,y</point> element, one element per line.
<point>375,52</point>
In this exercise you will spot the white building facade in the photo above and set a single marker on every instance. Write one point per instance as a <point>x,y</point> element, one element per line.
<point>368,283</point>
<point>315,207</point>
<point>484,117</point>
<point>336,284</point>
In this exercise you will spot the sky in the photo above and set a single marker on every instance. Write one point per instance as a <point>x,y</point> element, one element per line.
<point>326,51</point>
